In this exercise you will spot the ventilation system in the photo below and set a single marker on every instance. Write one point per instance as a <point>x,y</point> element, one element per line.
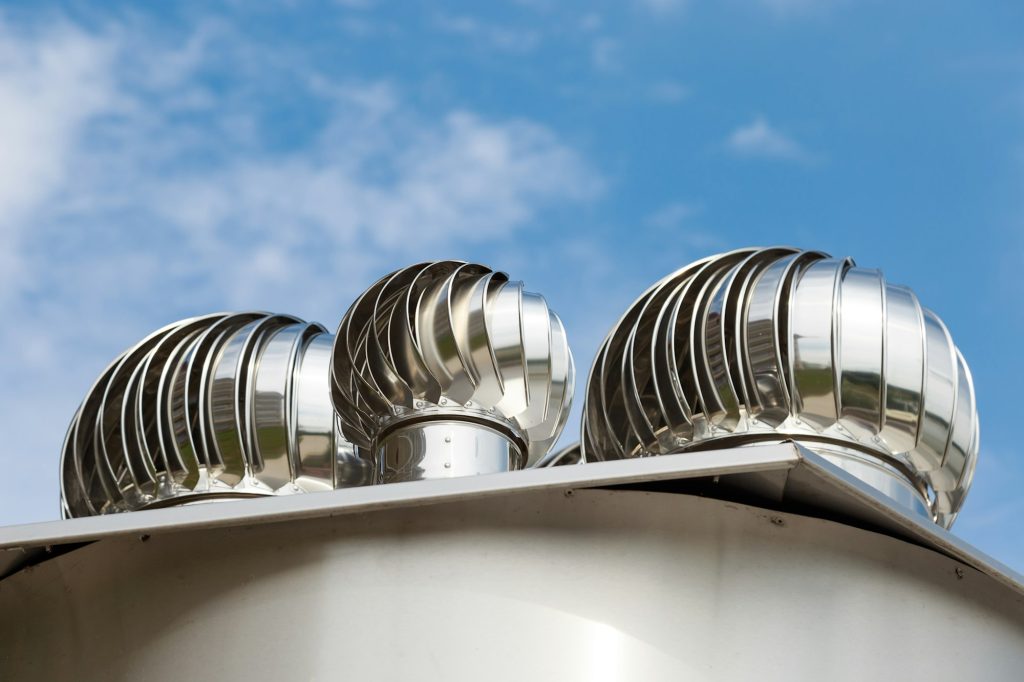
<point>449,368</point>
<point>758,345</point>
<point>443,369</point>
<point>228,405</point>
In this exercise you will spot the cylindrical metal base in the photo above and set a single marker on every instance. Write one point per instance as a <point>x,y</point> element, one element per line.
<point>599,585</point>
<point>445,448</point>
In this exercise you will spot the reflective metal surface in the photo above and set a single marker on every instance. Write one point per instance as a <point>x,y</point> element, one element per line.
<point>445,449</point>
<point>751,344</point>
<point>433,586</point>
<point>227,405</point>
<point>780,476</point>
<point>570,454</point>
<point>441,369</point>
<point>458,343</point>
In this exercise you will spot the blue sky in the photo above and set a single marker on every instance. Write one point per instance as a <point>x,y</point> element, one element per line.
<point>160,163</point>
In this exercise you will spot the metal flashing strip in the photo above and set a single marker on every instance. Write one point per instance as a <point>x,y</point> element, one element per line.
<point>787,475</point>
<point>820,485</point>
<point>368,498</point>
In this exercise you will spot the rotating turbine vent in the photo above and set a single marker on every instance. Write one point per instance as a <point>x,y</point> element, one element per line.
<point>227,405</point>
<point>771,344</point>
<point>447,368</point>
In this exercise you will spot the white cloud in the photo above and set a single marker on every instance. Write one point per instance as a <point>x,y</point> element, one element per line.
<point>376,175</point>
<point>132,195</point>
<point>590,22</point>
<point>51,83</point>
<point>606,54</point>
<point>662,6</point>
<point>401,186</point>
<point>789,8</point>
<point>760,139</point>
<point>678,221</point>
<point>669,92</point>
<point>672,215</point>
<point>490,35</point>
